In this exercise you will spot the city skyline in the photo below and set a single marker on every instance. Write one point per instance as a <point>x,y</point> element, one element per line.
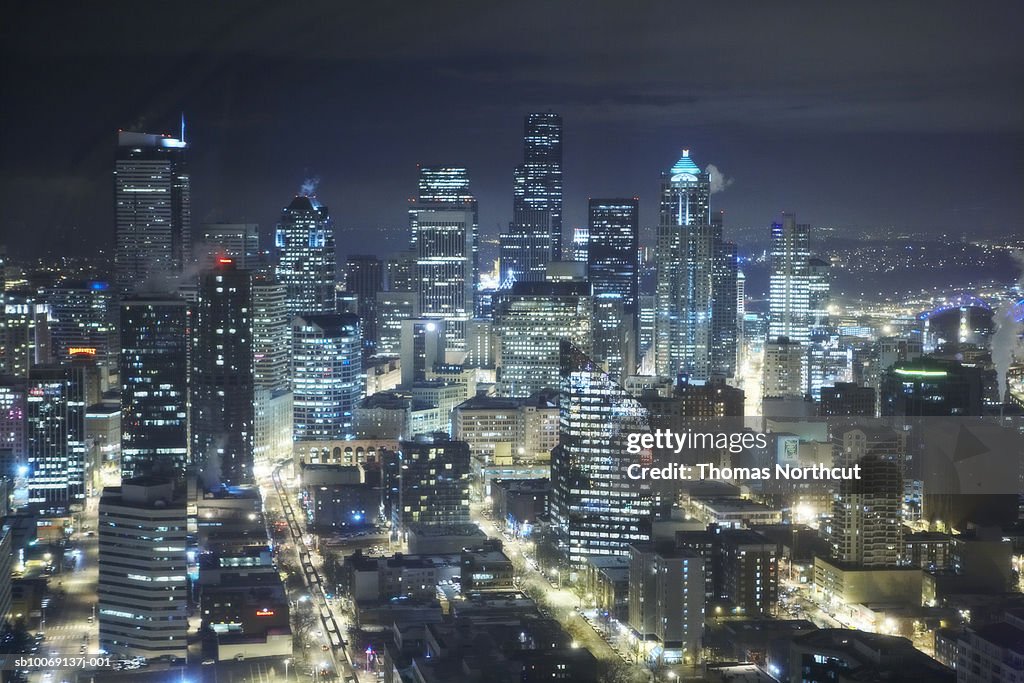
<point>814,138</point>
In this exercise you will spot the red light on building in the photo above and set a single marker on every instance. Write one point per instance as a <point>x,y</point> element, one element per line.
<point>264,612</point>
<point>82,351</point>
<point>225,260</point>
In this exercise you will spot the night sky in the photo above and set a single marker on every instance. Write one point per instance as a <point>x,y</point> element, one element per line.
<point>908,115</point>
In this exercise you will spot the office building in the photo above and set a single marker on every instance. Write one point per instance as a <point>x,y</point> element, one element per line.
<point>143,585</point>
<point>529,322</point>
<point>783,368</point>
<point>272,343</point>
<point>392,309</point>
<point>613,270</point>
<point>596,509</point>
<point>327,362</point>
<point>666,601</point>
<point>154,387</point>
<point>534,237</point>
<point>847,398</point>
<point>222,383</point>
<point>152,211</point>
<point>24,333</point>
<point>82,323</point>
<point>364,277</point>
<point>306,259</point>
<point>696,273</point>
<point>422,348</point>
<point>239,242</point>
<point>443,223</point>
<point>790,281</point>
<point>931,387</point>
<point>55,437</point>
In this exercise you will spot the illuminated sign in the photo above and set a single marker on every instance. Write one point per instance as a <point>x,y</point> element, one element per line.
<point>920,373</point>
<point>82,351</point>
<point>264,612</point>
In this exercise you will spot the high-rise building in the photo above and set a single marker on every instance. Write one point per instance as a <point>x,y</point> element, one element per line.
<point>55,437</point>
<point>153,211</point>
<point>154,387</point>
<point>24,333</point>
<point>867,524</point>
<point>666,599</point>
<point>580,243</point>
<point>538,181</point>
<point>530,321</point>
<point>696,273</point>
<point>237,241</point>
<point>364,276</point>
<point>392,309</point>
<point>930,387</point>
<point>422,349</point>
<point>613,270</point>
<point>596,509</point>
<point>82,322</point>
<point>306,264</point>
<point>613,249</point>
<point>222,383</point>
<point>534,236</point>
<point>724,345</point>
<point>272,344</point>
<point>327,362</point>
<point>750,571</point>
<point>784,361</point>
<point>847,399</point>
<point>427,482</point>
<point>143,567</point>
<point>790,284</point>
<point>443,222</point>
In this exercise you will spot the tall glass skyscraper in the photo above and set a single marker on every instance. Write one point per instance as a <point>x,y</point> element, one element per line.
<point>154,387</point>
<point>789,296</point>
<point>614,274</point>
<point>327,358</point>
<point>306,264</point>
<point>153,211</point>
<point>444,232</point>
<point>684,264</point>
<point>222,376</point>
<point>596,509</point>
<point>364,276</point>
<point>534,237</point>
<point>55,437</point>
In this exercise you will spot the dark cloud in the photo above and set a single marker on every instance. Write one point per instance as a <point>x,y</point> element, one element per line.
<point>808,106</point>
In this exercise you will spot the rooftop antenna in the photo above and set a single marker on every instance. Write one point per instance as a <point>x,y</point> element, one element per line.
<point>183,126</point>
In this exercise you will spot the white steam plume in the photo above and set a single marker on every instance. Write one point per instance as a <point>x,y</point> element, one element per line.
<point>718,180</point>
<point>1006,338</point>
<point>309,185</point>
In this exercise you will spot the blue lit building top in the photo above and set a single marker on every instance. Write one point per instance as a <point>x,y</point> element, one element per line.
<point>686,165</point>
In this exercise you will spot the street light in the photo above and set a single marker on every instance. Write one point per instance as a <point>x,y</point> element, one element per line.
<point>286,663</point>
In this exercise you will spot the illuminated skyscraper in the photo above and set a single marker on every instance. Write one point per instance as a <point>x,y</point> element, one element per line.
<point>538,182</point>
<point>685,258</point>
<point>724,345</point>
<point>143,566</point>
<point>272,345</point>
<point>305,242</point>
<point>55,437</point>
<point>789,288</point>
<point>153,211</point>
<point>443,223</point>
<point>238,241</point>
<point>154,387</point>
<point>596,509</point>
<point>327,359</point>
<point>534,236</point>
<point>529,322</point>
<point>614,274</point>
<point>222,387</point>
<point>82,322</point>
